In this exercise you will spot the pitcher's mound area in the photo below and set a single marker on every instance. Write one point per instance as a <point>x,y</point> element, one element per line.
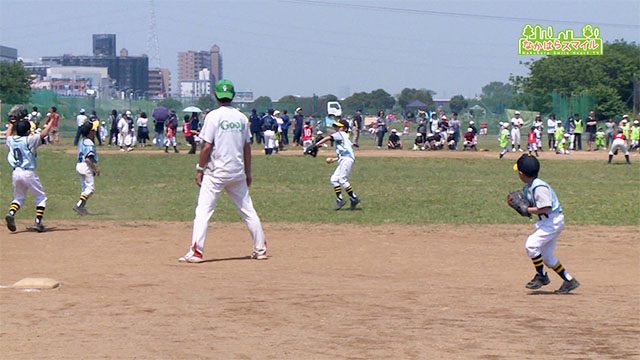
<point>326,292</point>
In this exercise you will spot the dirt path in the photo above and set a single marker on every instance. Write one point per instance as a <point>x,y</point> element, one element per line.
<point>370,292</point>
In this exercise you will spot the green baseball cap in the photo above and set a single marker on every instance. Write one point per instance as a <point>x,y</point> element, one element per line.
<point>224,89</point>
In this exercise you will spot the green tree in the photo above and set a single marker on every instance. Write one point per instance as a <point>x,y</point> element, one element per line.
<point>458,103</point>
<point>408,95</point>
<point>171,103</point>
<point>288,102</point>
<point>607,77</point>
<point>497,96</point>
<point>15,83</point>
<point>381,99</point>
<point>262,103</point>
<point>206,102</point>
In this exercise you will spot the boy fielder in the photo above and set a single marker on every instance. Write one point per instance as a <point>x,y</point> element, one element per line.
<point>22,158</point>
<point>541,244</point>
<point>345,159</point>
<point>225,167</point>
<point>504,139</point>
<point>86,165</point>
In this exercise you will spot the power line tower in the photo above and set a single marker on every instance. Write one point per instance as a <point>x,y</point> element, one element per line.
<point>153,48</point>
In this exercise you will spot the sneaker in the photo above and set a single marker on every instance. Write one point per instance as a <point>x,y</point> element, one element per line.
<point>191,257</point>
<point>354,203</point>
<point>340,203</point>
<point>11,222</point>
<point>538,281</point>
<point>567,286</point>
<point>259,255</point>
<point>37,227</point>
<point>520,150</point>
<point>81,210</point>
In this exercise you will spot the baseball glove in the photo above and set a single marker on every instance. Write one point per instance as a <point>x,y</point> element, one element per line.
<point>518,202</point>
<point>312,150</point>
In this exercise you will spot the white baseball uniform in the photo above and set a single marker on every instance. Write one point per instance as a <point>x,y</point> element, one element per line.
<point>516,124</point>
<point>227,129</point>
<point>543,241</point>
<point>86,149</point>
<point>346,158</point>
<point>22,158</point>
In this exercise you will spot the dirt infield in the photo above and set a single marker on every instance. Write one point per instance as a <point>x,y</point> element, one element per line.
<point>370,292</point>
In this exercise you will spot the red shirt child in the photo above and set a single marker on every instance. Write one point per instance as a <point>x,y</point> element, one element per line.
<point>307,133</point>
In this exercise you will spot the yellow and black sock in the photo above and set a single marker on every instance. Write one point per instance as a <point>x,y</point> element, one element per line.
<point>83,200</point>
<point>560,270</point>
<point>338,191</point>
<point>39,214</point>
<point>539,265</point>
<point>349,190</point>
<point>13,208</point>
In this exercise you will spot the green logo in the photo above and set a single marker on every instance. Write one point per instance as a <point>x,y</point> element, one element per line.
<point>536,40</point>
<point>228,125</point>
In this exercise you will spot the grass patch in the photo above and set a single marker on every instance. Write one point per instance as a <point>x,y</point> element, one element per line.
<point>156,186</point>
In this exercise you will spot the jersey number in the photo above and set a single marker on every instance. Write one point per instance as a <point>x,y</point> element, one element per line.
<point>18,156</point>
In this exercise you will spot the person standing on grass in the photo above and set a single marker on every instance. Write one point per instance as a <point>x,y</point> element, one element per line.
<point>143,129</point>
<point>113,129</point>
<point>81,118</point>
<point>592,127</point>
<point>551,131</point>
<point>225,167</point>
<point>54,119</point>
<point>381,128</point>
<point>22,158</point>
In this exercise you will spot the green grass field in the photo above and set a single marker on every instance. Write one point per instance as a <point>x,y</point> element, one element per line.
<point>157,186</point>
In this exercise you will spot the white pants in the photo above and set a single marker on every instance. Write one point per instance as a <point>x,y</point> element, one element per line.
<point>170,141</point>
<point>269,139</point>
<point>86,178</point>
<point>515,136</point>
<point>341,174</point>
<point>27,180</point>
<point>239,193</point>
<point>543,241</point>
<point>618,144</point>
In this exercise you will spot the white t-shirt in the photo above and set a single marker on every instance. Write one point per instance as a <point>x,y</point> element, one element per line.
<point>80,119</point>
<point>123,126</point>
<point>227,129</point>
<point>142,122</point>
<point>551,126</point>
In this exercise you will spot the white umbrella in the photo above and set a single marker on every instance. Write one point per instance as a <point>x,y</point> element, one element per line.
<point>192,109</point>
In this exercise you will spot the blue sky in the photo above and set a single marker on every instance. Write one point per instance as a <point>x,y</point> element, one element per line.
<point>302,47</point>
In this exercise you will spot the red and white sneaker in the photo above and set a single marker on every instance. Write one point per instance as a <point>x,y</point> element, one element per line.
<point>193,256</point>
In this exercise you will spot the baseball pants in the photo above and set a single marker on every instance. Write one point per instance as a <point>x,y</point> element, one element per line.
<point>238,191</point>
<point>618,144</point>
<point>27,180</point>
<point>543,241</point>
<point>269,139</point>
<point>341,174</point>
<point>515,137</point>
<point>87,183</point>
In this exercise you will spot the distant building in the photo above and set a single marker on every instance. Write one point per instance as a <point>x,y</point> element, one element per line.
<point>197,88</point>
<point>104,45</point>
<point>76,80</point>
<point>159,83</point>
<point>129,73</point>
<point>190,63</point>
<point>441,103</point>
<point>8,54</point>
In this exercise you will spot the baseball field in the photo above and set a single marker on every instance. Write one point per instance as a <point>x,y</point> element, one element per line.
<point>431,266</point>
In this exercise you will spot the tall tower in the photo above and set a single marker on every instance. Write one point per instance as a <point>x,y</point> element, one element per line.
<point>153,47</point>
<point>216,63</point>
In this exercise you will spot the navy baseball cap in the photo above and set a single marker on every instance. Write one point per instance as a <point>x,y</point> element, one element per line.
<point>528,165</point>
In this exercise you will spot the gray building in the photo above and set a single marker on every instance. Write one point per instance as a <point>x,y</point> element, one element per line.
<point>8,54</point>
<point>104,44</point>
